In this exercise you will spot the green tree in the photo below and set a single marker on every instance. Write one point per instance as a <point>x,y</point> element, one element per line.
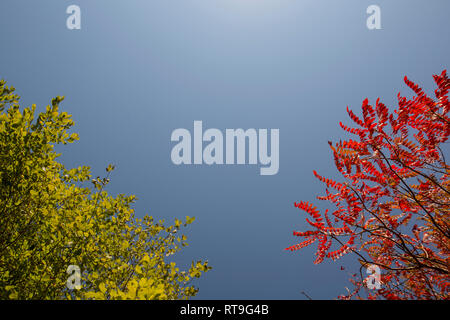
<point>52,218</point>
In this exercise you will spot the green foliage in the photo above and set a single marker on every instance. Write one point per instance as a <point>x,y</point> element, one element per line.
<point>52,217</point>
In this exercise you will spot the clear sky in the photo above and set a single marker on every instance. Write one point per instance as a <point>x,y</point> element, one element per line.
<point>138,69</point>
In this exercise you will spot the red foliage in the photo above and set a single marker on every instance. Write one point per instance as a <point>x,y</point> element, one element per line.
<point>393,208</point>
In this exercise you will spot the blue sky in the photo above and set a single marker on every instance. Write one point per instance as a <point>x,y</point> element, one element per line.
<point>137,70</point>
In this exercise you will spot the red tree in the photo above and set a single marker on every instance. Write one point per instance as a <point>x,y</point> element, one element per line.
<point>392,211</point>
